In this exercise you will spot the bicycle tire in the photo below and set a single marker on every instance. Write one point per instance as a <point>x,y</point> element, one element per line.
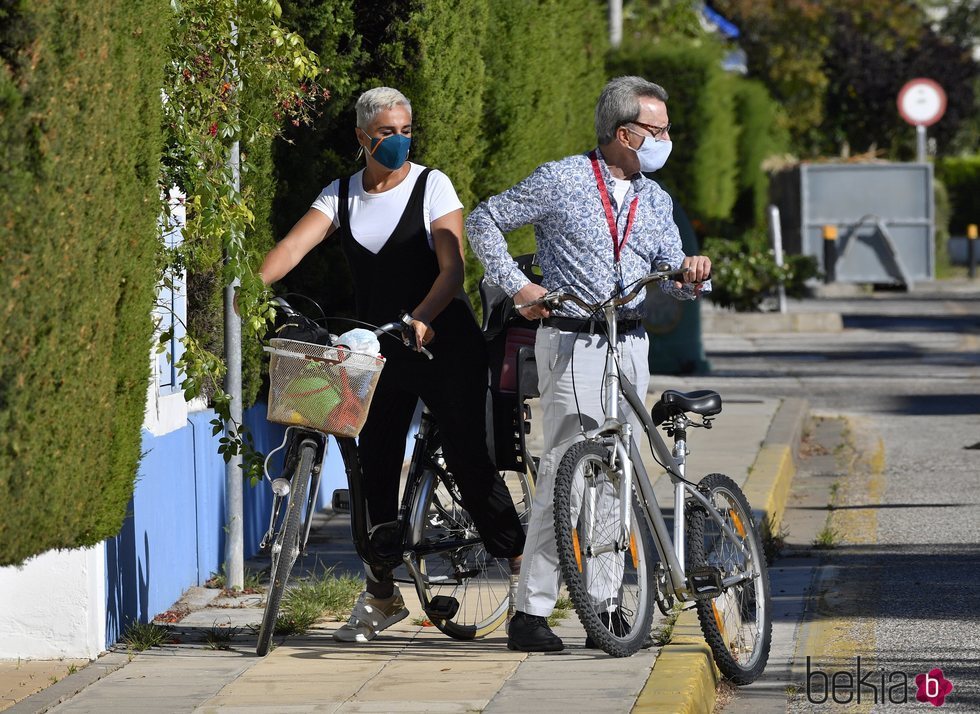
<point>737,624</point>
<point>481,582</point>
<point>285,546</point>
<point>598,584</point>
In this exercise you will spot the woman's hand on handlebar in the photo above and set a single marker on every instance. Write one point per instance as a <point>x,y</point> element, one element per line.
<point>528,294</point>
<point>423,333</point>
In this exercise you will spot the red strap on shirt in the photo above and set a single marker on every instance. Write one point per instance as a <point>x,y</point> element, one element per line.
<point>607,206</point>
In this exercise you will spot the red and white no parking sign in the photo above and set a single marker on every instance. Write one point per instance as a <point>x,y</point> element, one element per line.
<point>921,102</point>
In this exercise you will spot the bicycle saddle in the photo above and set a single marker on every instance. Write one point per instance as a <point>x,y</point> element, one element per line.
<point>704,402</point>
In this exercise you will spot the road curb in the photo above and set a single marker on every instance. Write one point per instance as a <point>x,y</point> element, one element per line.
<point>731,322</point>
<point>684,677</point>
<point>64,689</point>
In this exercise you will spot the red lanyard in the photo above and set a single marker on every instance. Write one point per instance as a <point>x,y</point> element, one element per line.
<point>610,219</point>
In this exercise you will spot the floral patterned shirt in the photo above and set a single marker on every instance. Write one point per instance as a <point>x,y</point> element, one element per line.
<point>574,246</point>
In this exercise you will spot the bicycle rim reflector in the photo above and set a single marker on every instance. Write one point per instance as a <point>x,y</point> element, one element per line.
<point>737,522</point>
<point>578,550</point>
<point>719,619</point>
<point>633,552</point>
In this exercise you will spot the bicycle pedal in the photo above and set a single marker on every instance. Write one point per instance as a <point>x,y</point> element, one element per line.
<point>341,500</point>
<point>705,582</point>
<point>442,607</point>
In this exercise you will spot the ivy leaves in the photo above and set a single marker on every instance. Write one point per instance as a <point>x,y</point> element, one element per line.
<point>217,49</point>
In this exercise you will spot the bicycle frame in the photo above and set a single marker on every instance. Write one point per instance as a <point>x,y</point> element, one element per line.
<point>295,439</point>
<point>627,456</point>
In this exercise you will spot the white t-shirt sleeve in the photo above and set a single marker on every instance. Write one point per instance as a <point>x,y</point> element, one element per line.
<point>328,202</point>
<point>440,196</point>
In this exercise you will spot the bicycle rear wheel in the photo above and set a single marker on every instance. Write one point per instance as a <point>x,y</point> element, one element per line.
<point>610,582</point>
<point>479,582</point>
<point>738,623</point>
<point>286,544</point>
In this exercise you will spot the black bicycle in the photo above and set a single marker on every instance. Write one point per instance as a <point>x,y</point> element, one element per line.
<point>319,389</point>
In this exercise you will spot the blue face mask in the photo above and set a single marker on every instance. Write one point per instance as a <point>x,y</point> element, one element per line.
<point>391,151</point>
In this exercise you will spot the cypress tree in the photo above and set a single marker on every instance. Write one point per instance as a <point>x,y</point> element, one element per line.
<point>80,144</point>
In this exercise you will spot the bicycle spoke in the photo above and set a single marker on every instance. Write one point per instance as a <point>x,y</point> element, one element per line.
<point>737,623</point>
<point>606,569</point>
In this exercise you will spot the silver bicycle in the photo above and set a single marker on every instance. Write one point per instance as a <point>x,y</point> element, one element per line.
<point>615,549</point>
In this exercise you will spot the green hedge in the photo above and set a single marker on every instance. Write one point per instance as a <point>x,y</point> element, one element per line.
<point>496,89</point>
<point>79,153</point>
<point>760,135</point>
<point>961,176</point>
<point>703,166</point>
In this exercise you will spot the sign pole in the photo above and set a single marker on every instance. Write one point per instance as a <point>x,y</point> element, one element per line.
<point>920,143</point>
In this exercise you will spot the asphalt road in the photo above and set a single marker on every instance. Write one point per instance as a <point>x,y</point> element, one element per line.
<point>906,368</point>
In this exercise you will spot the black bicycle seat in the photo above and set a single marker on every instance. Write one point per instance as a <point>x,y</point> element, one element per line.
<point>704,402</point>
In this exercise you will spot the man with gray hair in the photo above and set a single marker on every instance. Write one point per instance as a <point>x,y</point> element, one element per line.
<point>599,223</point>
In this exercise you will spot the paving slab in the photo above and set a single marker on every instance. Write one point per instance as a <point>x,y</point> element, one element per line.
<point>410,668</point>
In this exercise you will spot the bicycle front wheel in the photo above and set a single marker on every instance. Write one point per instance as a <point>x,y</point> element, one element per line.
<point>610,578</point>
<point>286,545</point>
<point>453,560</point>
<point>737,624</point>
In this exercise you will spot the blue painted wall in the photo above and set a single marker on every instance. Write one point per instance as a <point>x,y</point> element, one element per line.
<point>173,534</point>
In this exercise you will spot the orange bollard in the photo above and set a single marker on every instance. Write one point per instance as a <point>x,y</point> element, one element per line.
<point>971,250</point>
<point>829,253</point>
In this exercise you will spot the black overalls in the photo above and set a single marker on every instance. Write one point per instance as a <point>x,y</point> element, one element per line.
<point>452,385</point>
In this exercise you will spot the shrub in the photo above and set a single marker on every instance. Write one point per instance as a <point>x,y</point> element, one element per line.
<point>79,154</point>
<point>760,136</point>
<point>539,108</point>
<point>744,271</point>
<point>961,176</point>
<point>703,166</point>
<point>941,202</point>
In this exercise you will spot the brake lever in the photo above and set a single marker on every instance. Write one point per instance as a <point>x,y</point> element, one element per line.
<point>550,300</point>
<point>408,338</point>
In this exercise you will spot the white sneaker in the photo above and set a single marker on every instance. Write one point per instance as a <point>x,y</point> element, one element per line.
<point>370,616</point>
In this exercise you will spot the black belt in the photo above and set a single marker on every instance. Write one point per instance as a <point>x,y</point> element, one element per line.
<point>571,324</point>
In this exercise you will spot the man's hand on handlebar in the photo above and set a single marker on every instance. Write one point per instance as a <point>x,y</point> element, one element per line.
<point>529,293</point>
<point>698,270</point>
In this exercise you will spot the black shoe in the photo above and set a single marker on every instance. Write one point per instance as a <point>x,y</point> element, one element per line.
<point>620,627</point>
<point>530,633</point>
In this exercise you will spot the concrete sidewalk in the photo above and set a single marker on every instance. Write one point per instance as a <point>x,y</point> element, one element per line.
<point>411,668</point>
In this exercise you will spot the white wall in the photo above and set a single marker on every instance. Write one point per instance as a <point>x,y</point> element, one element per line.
<point>54,606</point>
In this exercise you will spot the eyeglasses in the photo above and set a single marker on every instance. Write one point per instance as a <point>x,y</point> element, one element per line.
<point>655,131</point>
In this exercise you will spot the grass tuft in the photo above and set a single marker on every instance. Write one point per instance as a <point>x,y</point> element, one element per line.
<point>321,596</point>
<point>773,538</point>
<point>563,606</point>
<point>826,539</point>
<point>252,582</point>
<point>141,636</point>
<point>219,638</point>
<point>663,635</point>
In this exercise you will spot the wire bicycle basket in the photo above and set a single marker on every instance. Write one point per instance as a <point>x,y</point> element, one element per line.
<point>328,389</point>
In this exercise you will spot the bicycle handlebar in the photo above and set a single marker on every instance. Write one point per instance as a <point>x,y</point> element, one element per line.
<point>553,299</point>
<point>396,329</point>
<point>404,332</point>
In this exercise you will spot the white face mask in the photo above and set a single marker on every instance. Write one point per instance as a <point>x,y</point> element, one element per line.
<point>653,154</point>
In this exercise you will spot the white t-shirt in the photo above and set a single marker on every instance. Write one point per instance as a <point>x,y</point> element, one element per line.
<point>620,187</point>
<point>374,216</point>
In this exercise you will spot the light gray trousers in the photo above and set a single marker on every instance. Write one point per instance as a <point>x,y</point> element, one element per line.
<point>563,357</point>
